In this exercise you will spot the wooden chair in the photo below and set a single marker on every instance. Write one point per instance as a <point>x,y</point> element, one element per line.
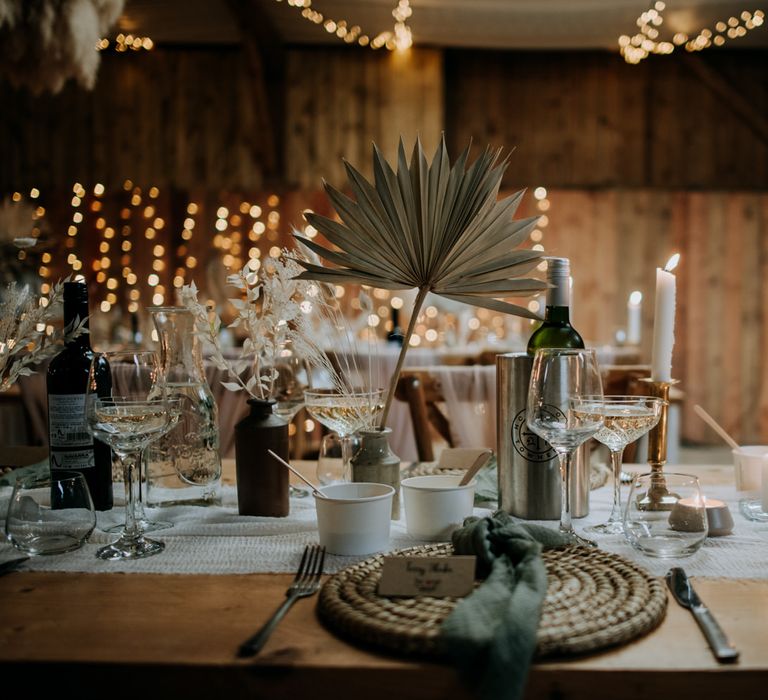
<point>422,393</point>
<point>449,406</point>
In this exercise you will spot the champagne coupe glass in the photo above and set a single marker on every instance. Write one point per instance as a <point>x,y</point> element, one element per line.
<point>135,412</point>
<point>625,419</point>
<point>147,525</point>
<point>559,378</point>
<point>344,413</point>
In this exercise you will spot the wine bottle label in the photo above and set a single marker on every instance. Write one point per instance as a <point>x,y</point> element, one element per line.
<point>71,443</point>
<point>79,459</point>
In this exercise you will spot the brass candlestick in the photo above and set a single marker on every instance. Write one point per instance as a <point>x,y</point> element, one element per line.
<point>658,497</point>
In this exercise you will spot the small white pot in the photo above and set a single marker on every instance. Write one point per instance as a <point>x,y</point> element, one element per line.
<point>436,505</point>
<point>354,518</point>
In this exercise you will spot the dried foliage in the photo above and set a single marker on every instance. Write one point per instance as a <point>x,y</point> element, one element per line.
<point>274,309</point>
<point>25,322</point>
<point>435,227</point>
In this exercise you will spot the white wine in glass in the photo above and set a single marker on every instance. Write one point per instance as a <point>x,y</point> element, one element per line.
<point>625,419</point>
<point>134,412</point>
<point>344,414</point>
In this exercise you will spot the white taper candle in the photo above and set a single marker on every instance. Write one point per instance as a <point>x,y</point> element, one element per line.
<point>664,323</point>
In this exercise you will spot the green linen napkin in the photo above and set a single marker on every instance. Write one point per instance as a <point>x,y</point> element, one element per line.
<point>491,635</point>
<point>487,483</point>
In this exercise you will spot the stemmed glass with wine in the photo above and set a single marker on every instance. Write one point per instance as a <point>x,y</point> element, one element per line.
<point>560,379</point>
<point>128,415</point>
<point>625,419</point>
<point>344,413</point>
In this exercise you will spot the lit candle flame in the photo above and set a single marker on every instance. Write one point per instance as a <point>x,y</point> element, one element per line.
<point>672,262</point>
<point>635,298</point>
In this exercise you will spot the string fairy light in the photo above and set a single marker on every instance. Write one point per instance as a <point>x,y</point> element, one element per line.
<point>646,41</point>
<point>126,42</point>
<point>399,38</point>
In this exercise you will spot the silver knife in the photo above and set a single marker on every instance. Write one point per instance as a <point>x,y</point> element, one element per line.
<point>683,592</point>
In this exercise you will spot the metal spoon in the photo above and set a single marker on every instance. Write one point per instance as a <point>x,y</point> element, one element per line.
<point>317,493</point>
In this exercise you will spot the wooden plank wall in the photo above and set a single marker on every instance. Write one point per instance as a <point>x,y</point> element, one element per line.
<point>165,118</point>
<point>616,239</point>
<point>186,118</point>
<point>588,119</point>
<point>336,107</point>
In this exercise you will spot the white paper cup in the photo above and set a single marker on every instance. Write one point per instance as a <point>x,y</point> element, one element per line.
<point>354,518</point>
<point>748,461</point>
<point>436,505</point>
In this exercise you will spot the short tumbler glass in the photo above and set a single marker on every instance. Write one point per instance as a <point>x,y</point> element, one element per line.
<point>50,514</point>
<point>663,529</point>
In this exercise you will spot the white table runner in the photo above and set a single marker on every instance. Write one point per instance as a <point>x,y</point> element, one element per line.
<point>216,540</point>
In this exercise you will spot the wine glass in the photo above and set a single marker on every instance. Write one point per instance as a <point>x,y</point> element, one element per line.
<point>330,461</point>
<point>147,525</point>
<point>344,413</point>
<point>128,416</point>
<point>625,419</point>
<point>559,378</point>
<point>291,378</point>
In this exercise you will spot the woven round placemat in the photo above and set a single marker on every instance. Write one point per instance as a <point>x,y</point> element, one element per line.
<point>594,600</point>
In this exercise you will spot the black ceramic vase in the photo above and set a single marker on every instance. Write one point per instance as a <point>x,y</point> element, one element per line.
<point>262,482</point>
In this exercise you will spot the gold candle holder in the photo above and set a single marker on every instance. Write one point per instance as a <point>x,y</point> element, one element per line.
<point>658,496</point>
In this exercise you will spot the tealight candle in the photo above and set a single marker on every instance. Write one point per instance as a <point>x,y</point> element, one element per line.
<point>686,516</point>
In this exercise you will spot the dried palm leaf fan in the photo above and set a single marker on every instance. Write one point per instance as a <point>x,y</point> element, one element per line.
<point>434,227</point>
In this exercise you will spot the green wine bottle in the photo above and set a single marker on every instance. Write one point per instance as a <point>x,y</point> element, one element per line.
<point>556,331</point>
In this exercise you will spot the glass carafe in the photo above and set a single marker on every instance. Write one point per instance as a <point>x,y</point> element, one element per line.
<point>184,466</point>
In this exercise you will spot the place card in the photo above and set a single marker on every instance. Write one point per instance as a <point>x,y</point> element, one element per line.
<point>432,576</point>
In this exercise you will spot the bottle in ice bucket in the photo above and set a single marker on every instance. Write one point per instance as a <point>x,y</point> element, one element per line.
<point>529,470</point>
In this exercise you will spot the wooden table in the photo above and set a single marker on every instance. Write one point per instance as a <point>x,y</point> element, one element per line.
<point>144,635</point>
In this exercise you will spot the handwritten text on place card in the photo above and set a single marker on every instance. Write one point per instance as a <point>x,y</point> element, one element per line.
<point>432,576</point>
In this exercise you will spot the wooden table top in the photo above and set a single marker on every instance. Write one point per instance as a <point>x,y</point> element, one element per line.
<point>176,635</point>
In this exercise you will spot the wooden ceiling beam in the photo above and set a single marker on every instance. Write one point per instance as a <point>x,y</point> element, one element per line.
<point>265,56</point>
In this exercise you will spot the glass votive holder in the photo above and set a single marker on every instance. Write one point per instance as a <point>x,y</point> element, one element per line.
<point>50,514</point>
<point>665,515</point>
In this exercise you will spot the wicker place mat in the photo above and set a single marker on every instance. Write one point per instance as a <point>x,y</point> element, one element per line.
<point>594,600</point>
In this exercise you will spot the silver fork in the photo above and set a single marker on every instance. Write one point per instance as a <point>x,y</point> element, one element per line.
<point>305,583</point>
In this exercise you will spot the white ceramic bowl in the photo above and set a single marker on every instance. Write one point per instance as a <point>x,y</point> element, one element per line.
<point>435,505</point>
<point>748,467</point>
<point>354,517</point>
